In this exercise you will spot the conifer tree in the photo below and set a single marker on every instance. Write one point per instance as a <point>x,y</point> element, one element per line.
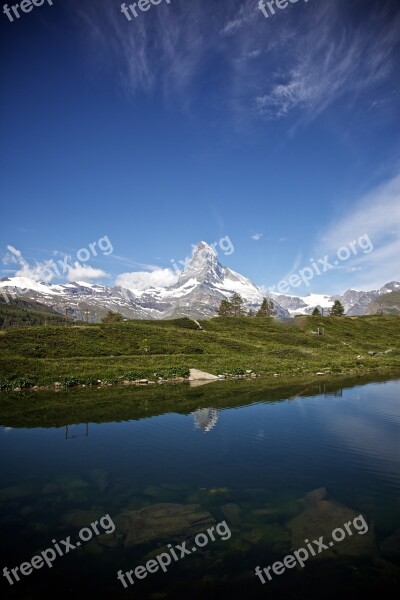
<point>337,309</point>
<point>237,304</point>
<point>224,308</point>
<point>266,309</point>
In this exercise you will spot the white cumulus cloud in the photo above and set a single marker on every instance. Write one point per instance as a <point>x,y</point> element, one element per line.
<point>142,280</point>
<point>80,272</point>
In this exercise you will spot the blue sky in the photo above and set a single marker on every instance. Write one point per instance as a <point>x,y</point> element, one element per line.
<point>200,120</point>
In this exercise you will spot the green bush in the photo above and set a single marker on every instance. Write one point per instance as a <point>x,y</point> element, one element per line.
<point>112,380</point>
<point>184,323</point>
<point>22,383</point>
<point>5,384</point>
<point>71,382</point>
<point>133,375</point>
<point>238,372</point>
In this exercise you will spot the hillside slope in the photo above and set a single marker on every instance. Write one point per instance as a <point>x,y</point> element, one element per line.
<point>48,354</point>
<point>17,313</point>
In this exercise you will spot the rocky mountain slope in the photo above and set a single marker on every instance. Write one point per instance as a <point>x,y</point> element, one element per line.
<point>357,303</point>
<point>388,304</point>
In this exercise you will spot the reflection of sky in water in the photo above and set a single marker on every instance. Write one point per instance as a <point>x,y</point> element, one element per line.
<point>367,428</point>
<point>307,441</point>
<point>262,454</point>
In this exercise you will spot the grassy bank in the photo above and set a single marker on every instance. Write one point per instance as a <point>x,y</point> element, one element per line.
<point>44,355</point>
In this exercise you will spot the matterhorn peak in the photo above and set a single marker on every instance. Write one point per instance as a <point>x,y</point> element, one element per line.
<point>204,249</point>
<point>203,265</point>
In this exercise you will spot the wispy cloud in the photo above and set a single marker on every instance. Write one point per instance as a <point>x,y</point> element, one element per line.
<point>332,58</point>
<point>48,270</point>
<point>22,267</point>
<point>257,236</point>
<point>164,48</point>
<point>377,215</point>
<point>244,16</point>
<point>301,61</point>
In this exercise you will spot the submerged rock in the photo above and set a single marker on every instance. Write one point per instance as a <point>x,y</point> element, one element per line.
<point>160,522</point>
<point>81,518</point>
<point>14,493</point>
<point>232,513</point>
<point>320,517</point>
<point>266,512</point>
<point>252,535</point>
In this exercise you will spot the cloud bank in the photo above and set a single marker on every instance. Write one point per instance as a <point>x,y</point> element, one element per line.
<point>142,280</point>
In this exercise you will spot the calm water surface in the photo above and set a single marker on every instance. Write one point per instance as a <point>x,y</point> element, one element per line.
<point>248,465</point>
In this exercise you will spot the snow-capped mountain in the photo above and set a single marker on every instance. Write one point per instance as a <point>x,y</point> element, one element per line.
<point>304,305</point>
<point>197,294</point>
<point>80,300</point>
<point>204,283</point>
<point>355,302</point>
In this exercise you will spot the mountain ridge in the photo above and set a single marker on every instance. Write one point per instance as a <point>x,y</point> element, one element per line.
<point>197,294</point>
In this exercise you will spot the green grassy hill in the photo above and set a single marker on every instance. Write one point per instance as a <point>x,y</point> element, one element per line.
<point>19,313</point>
<point>141,348</point>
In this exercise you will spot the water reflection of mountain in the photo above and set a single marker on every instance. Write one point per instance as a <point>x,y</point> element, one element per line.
<point>205,418</point>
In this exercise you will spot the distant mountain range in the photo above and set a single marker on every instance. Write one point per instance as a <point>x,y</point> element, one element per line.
<point>389,304</point>
<point>197,294</point>
<point>355,302</point>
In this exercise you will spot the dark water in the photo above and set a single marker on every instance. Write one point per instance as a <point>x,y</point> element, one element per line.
<point>249,465</point>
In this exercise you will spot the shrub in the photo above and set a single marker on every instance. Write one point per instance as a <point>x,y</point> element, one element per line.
<point>112,380</point>
<point>133,375</point>
<point>5,384</point>
<point>185,323</point>
<point>70,382</point>
<point>22,383</point>
<point>238,372</point>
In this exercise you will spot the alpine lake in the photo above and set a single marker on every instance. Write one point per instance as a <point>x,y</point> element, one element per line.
<point>278,463</point>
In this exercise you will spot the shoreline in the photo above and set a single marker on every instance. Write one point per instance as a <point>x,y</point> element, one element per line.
<point>144,383</point>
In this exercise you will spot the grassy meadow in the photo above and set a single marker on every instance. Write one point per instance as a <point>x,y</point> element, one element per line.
<point>135,349</point>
